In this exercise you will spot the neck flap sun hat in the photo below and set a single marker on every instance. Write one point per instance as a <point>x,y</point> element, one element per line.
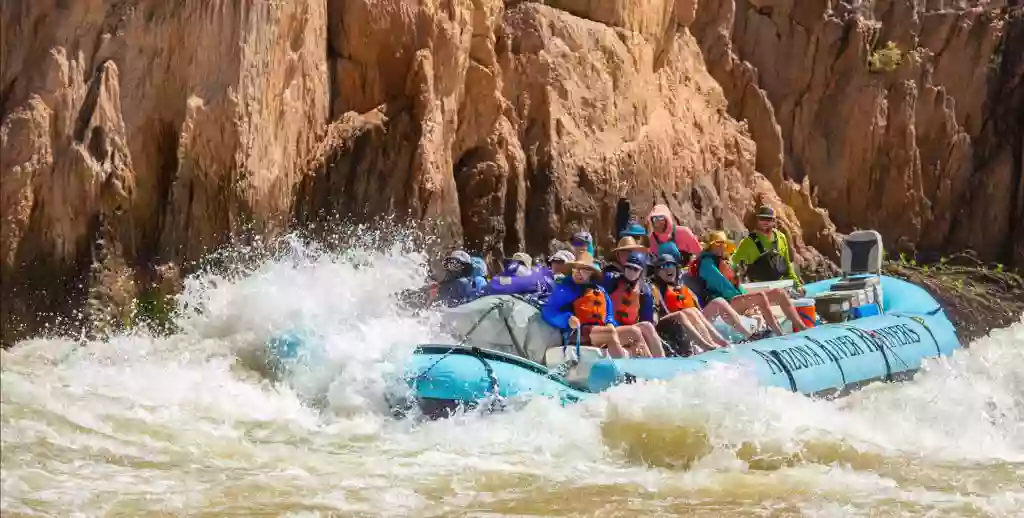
<point>585,260</point>
<point>563,255</point>
<point>523,258</point>
<point>582,238</point>
<point>628,244</point>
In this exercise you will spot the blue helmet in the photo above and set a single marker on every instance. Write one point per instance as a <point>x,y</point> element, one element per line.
<point>638,259</point>
<point>666,260</point>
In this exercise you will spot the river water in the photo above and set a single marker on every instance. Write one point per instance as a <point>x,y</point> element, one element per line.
<point>192,425</point>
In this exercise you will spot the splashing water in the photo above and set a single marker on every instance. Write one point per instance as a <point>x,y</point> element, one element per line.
<point>190,424</point>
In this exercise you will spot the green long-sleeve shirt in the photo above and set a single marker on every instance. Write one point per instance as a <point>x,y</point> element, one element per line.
<point>746,253</point>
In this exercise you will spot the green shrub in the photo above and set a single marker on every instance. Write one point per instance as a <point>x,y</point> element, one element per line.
<point>885,59</point>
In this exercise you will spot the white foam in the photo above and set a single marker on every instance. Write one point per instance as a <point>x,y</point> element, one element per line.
<point>139,424</point>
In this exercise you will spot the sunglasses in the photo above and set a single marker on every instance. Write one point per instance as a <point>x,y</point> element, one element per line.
<point>657,218</point>
<point>669,267</point>
<point>634,268</point>
<point>765,218</point>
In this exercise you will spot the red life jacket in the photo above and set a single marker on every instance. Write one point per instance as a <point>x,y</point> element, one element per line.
<point>678,298</point>
<point>590,307</point>
<point>626,303</point>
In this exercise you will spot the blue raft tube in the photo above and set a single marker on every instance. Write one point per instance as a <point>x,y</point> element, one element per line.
<point>829,360</point>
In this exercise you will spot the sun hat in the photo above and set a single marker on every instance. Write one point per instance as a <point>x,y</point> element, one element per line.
<point>562,255</point>
<point>523,258</point>
<point>582,237</point>
<point>628,244</point>
<point>584,260</point>
<point>765,212</point>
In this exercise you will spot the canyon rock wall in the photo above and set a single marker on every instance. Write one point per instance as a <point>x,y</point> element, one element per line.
<point>138,135</point>
<point>921,140</point>
<point>511,124</point>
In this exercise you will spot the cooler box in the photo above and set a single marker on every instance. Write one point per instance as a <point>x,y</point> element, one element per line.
<point>834,307</point>
<point>870,285</point>
<point>807,310</point>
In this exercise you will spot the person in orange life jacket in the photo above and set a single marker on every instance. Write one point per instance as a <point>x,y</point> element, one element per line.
<point>666,237</point>
<point>721,282</point>
<point>620,255</point>
<point>581,305</point>
<point>633,303</point>
<point>678,303</point>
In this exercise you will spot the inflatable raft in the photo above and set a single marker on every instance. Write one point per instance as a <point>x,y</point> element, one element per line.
<point>509,353</point>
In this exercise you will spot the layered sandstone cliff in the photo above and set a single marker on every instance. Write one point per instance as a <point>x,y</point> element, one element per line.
<point>137,135</point>
<point>921,138</point>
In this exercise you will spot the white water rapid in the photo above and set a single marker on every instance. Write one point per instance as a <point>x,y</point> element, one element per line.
<point>189,425</point>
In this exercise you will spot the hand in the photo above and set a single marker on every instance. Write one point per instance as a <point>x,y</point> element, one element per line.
<point>574,323</point>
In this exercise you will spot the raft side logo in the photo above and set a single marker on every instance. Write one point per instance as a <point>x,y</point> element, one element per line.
<point>841,347</point>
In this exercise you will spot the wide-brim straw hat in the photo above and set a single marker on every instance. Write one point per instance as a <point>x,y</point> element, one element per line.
<point>628,244</point>
<point>584,260</point>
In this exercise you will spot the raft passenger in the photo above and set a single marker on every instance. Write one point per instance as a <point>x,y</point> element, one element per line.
<point>721,281</point>
<point>666,237</point>
<point>463,280</point>
<point>579,304</point>
<point>582,242</point>
<point>678,304</point>
<point>764,255</point>
<point>621,254</point>
<point>633,303</point>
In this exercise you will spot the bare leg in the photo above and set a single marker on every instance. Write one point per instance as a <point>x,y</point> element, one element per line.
<point>720,308</point>
<point>700,321</point>
<point>652,339</point>
<point>696,335</point>
<point>605,336</point>
<point>760,301</point>
<point>634,337</point>
<point>779,298</point>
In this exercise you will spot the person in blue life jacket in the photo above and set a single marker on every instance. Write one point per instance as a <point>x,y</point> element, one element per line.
<point>463,281</point>
<point>580,305</point>
<point>620,255</point>
<point>720,281</point>
<point>633,304</point>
